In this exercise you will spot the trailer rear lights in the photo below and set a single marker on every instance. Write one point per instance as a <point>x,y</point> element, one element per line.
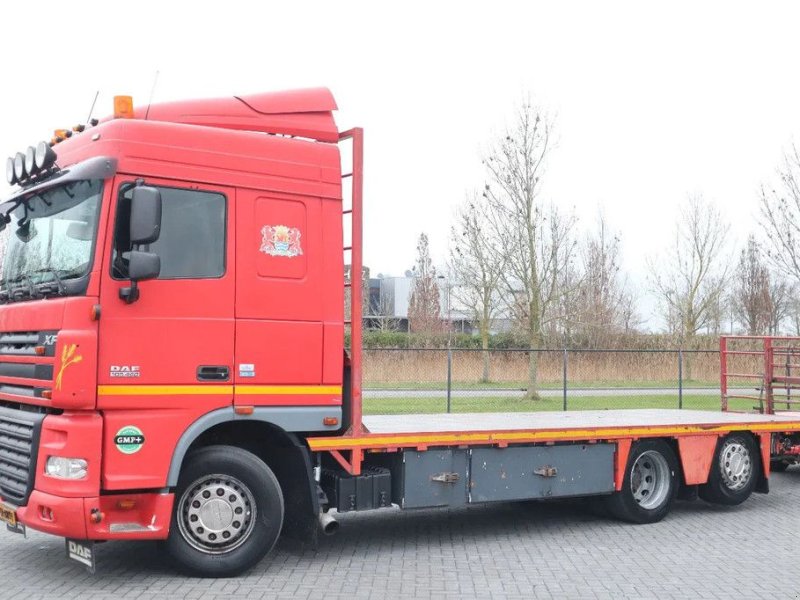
<point>123,107</point>
<point>330,421</point>
<point>66,468</point>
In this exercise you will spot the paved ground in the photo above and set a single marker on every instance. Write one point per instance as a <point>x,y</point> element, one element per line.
<point>520,550</point>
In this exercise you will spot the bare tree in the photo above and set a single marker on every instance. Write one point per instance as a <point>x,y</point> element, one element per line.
<point>780,212</point>
<point>424,308</point>
<point>381,313</point>
<point>759,300</point>
<point>476,266</point>
<point>536,237</point>
<point>604,304</point>
<point>689,278</point>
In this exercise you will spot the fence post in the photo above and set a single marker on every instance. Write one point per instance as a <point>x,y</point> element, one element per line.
<point>449,376</point>
<point>565,379</point>
<point>680,378</point>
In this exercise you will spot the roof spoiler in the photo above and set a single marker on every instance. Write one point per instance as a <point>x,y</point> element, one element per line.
<point>306,113</point>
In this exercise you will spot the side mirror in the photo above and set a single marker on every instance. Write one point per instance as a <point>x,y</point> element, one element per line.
<point>145,215</point>
<point>145,227</point>
<point>141,266</point>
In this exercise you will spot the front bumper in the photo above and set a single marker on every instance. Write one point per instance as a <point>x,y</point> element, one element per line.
<point>114,517</point>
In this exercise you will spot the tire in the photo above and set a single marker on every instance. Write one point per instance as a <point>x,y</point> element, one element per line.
<point>778,466</point>
<point>734,471</point>
<point>228,512</point>
<point>650,484</point>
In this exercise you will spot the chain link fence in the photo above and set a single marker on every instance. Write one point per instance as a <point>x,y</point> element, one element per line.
<point>398,381</point>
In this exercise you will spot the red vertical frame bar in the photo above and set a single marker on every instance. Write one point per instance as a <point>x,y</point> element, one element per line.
<point>768,374</point>
<point>723,371</point>
<point>356,287</point>
<point>357,290</point>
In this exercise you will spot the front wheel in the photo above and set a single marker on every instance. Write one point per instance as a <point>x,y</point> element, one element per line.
<point>649,486</point>
<point>734,472</point>
<point>228,512</point>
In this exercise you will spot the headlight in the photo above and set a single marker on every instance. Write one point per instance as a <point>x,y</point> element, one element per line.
<point>45,156</point>
<point>66,468</point>
<point>30,160</point>
<point>11,178</point>
<point>19,166</point>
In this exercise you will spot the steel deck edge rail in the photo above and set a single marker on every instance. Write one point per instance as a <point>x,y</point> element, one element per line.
<point>386,441</point>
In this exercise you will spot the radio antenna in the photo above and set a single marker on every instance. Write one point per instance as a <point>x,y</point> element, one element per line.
<point>152,93</point>
<point>91,110</point>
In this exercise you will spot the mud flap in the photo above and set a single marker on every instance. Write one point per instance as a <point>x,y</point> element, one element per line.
<point>82,552</point>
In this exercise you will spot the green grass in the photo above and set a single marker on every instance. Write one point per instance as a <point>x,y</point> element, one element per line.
<point>555,385</point>
<point>394,406</point>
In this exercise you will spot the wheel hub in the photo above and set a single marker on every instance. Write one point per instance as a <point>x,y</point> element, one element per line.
<point>217,514</point>
<point>736,465</point>
<point>650,480</point>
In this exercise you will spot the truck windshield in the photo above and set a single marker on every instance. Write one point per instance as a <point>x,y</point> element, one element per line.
<point>46,249</point>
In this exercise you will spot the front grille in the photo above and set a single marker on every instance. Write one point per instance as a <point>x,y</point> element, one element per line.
<point>19,445</point>
<point>26,365</point>
<point>24,343</point>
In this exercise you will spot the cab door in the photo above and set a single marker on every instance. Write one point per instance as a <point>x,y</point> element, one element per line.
<point>166,358</point>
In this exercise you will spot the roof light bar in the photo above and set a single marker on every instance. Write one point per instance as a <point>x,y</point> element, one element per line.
<point>24,167</point>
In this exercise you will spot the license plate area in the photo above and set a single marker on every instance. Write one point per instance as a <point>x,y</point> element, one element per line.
<point>8,515</point>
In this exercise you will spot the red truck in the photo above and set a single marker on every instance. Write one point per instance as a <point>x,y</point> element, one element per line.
<point>173,363</point>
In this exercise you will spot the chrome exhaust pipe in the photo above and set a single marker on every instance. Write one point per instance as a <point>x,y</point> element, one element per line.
<point>328,524</point>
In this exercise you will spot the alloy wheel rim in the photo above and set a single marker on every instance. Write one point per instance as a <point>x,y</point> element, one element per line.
<point>736,465</point>
<point>217,514</point>
<point>650,479</point>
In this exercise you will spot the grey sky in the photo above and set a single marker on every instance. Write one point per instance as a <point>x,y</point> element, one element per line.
<point>653,101</point>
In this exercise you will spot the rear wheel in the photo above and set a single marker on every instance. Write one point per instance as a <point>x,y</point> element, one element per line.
<point>649,486</point>
<point>228,512</point>
<point>734,471</point>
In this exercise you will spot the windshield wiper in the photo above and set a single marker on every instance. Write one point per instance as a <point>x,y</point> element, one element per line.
<point>61,289</point>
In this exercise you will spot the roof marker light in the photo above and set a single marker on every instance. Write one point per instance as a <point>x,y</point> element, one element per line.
<point>123,107</point>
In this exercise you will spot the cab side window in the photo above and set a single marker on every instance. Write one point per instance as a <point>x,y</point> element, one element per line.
<point>192,240</point>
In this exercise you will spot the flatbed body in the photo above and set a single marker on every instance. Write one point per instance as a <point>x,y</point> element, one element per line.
<point>422,430</point>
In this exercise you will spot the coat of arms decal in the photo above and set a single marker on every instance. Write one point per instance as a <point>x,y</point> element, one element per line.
<point>280,240</point>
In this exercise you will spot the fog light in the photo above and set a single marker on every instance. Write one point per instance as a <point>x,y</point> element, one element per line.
<point>66,468</point>
<point>19,166</point>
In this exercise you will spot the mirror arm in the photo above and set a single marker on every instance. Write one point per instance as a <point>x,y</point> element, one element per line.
<point>129,294</point>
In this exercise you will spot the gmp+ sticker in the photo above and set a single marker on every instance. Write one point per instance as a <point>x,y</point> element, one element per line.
<point>129,439</point>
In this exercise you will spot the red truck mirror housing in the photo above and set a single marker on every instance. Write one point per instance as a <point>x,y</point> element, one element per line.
<point>145,224</point>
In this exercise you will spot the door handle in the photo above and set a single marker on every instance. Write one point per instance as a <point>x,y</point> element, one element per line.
<point>212,373</point>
